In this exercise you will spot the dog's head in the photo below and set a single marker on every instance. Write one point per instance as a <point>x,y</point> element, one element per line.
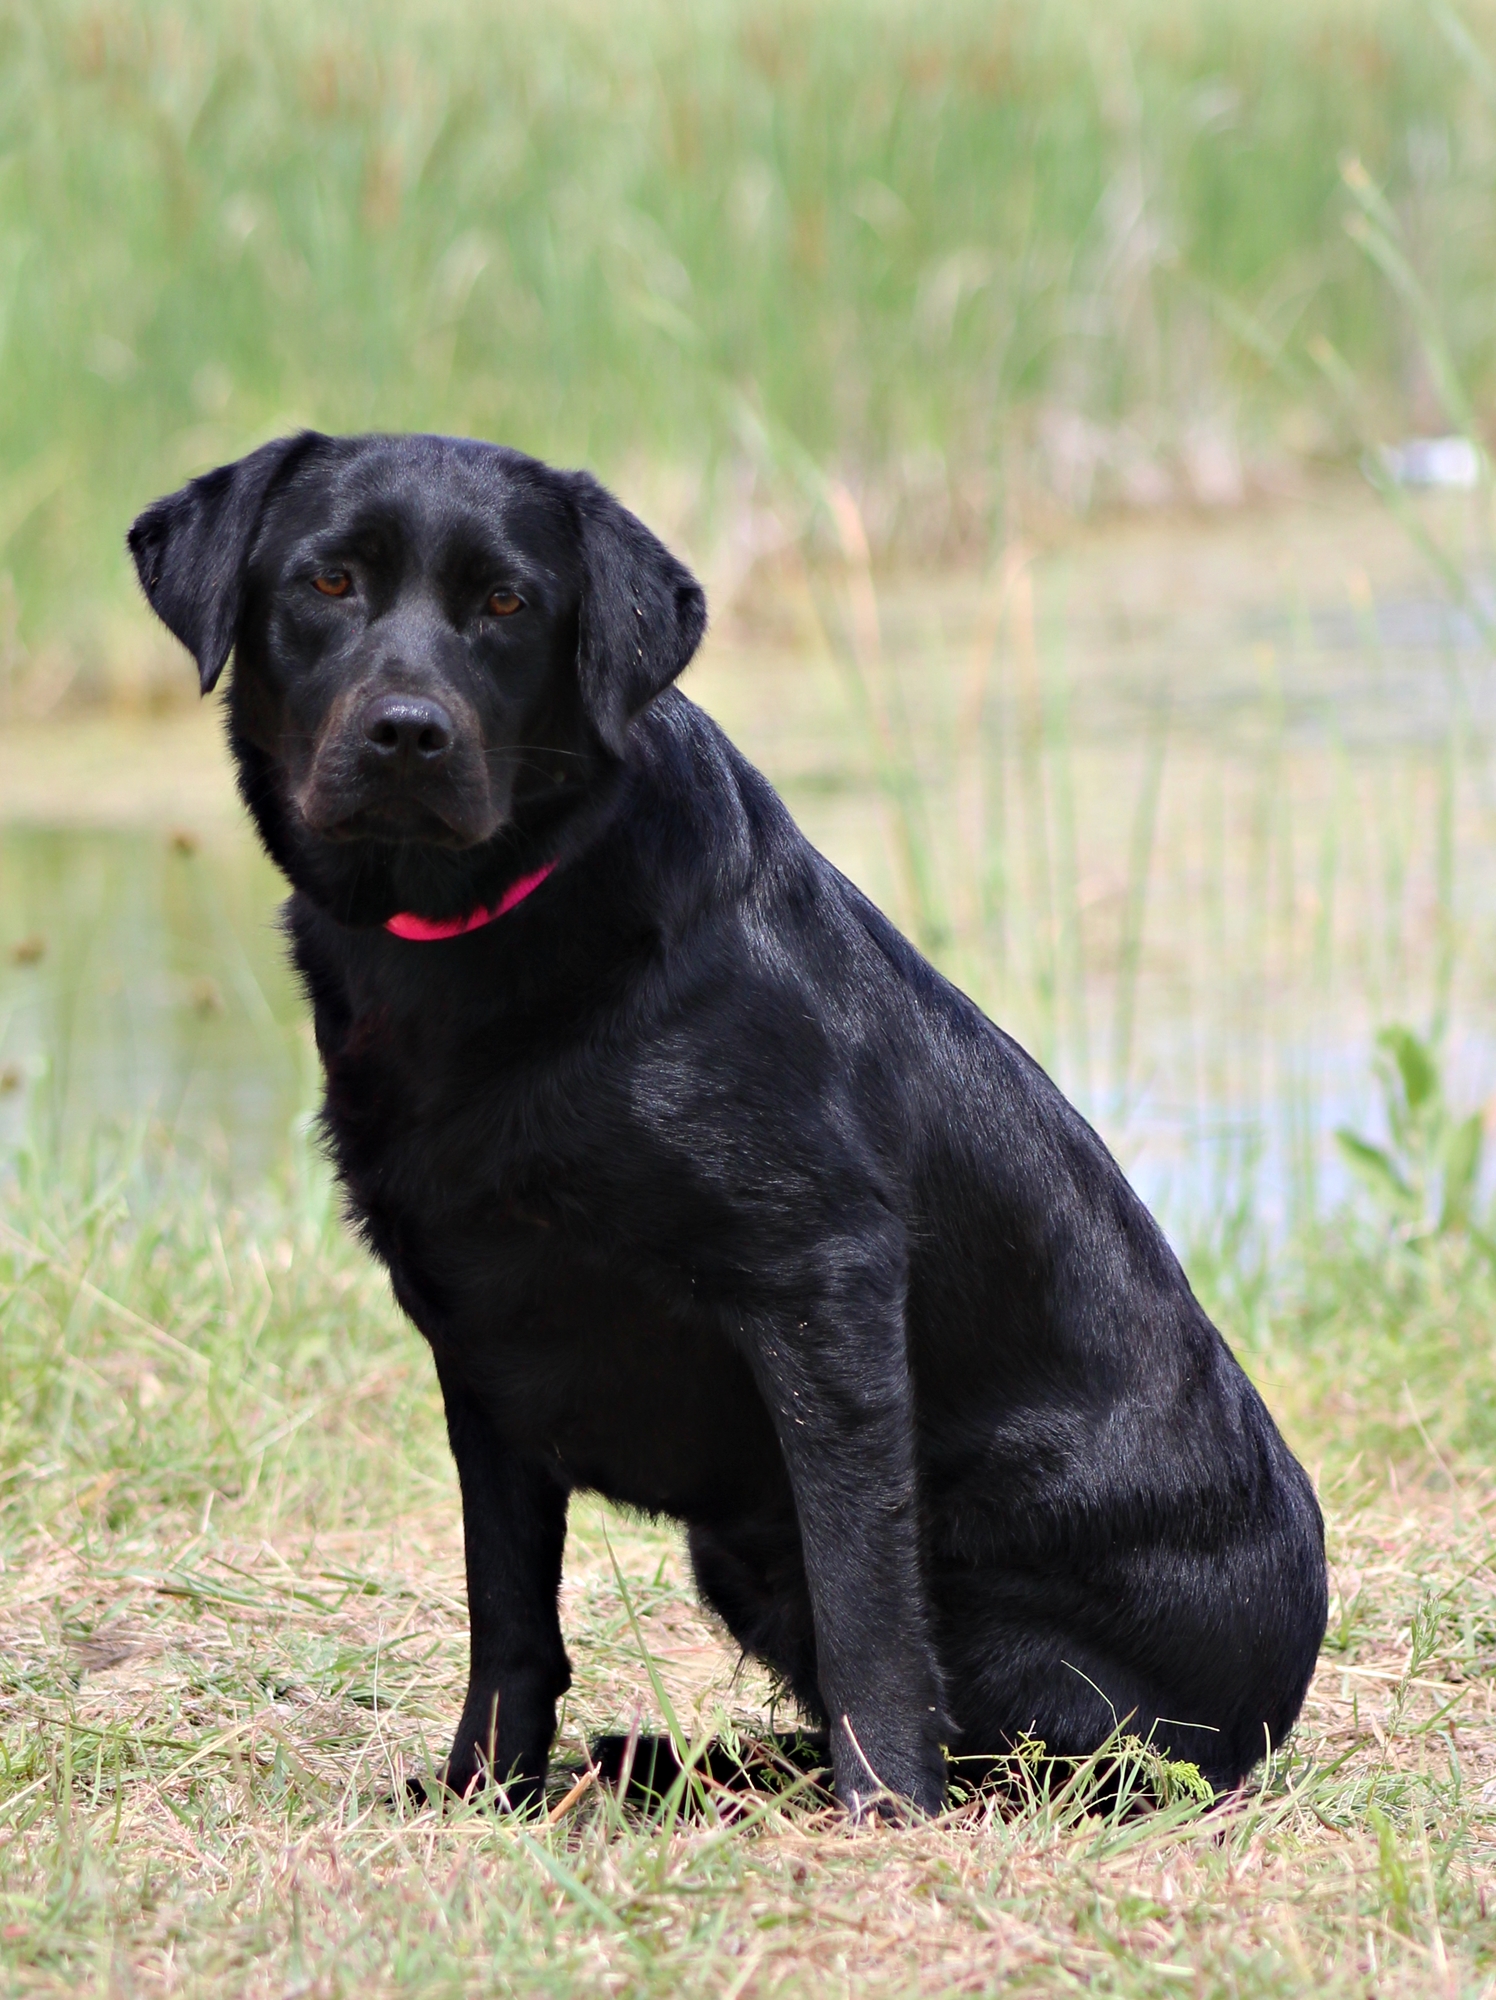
<point>439,647</point>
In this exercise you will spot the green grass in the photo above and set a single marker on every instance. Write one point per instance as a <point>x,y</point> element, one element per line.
<point>231,1619</point>
<point>978,260</point>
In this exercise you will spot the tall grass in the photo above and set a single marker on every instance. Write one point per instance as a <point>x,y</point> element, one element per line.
<point>974,259</point>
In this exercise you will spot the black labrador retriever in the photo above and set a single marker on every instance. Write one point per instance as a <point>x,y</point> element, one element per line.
<point>709,1193</point>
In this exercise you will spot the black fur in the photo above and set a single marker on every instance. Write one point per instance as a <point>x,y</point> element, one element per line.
<point>708,1192</point>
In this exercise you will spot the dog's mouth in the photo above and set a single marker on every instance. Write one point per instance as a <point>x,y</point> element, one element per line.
<point>457,808</point>
<point>402,820</point>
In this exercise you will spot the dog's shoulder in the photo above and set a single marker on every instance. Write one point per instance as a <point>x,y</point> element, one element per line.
<point>687,759</point>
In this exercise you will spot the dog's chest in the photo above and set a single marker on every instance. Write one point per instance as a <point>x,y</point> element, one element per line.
<point>515,1223</point>
<point>589,1357</point>
<point>452,1166</point>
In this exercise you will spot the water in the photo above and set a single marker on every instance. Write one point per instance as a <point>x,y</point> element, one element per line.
<point>143,985</point>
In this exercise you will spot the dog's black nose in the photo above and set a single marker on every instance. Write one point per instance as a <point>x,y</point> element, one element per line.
<point>408,728</point>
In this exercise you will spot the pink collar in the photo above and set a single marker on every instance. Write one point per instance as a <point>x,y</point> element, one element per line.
<point>420,930</point>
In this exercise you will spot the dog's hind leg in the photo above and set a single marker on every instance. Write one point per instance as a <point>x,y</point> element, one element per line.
<point>1205,1657</point>
<point>754,1579</point>
<point>1010,1683</point>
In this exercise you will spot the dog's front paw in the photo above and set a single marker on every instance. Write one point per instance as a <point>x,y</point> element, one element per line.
<point>866,1807</point>
<point>892,1785</point>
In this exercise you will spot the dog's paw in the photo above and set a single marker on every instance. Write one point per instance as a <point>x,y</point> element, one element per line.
<point>643,1769</point>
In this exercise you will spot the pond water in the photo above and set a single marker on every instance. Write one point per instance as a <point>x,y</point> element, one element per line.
<point>1192,807</point>
<point>145,984</point>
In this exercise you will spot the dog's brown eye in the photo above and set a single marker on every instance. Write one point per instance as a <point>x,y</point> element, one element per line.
<point>332,583</point>
<point>504,603</point>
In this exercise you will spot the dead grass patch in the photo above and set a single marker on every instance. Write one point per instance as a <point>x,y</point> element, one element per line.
<point>203,1730</point>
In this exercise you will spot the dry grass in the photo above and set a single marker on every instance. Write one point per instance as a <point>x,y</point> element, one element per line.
<point>201,1730</point>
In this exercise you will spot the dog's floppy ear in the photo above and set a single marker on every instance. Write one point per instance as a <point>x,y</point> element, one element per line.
<point>642,613</point>
<point>191,548</point>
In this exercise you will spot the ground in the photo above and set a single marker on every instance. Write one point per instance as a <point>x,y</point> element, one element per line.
<point>232,1621</point>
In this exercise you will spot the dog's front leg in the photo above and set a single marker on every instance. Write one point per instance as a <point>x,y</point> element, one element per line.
<point>514,1532</point>
<point>837,1382</point>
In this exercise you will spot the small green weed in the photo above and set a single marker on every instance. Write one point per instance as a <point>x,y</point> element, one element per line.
<point>1425,1178</point>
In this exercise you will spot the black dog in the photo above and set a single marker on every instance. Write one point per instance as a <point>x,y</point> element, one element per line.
<point>708,1192</point>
